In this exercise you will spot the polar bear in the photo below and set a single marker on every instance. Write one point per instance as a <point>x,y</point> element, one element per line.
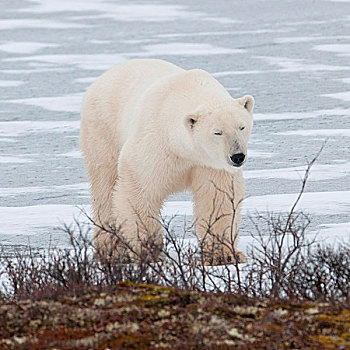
<point>150,129</point>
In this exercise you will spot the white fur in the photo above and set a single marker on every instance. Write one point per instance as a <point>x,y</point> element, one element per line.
<point>147,131</point>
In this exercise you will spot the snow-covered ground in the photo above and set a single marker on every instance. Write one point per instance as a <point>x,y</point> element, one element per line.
<point>295,63</point>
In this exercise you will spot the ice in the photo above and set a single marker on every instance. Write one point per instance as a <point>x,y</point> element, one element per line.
<point>342,49</point>
<point>345,80</point>
<point>301,115</point>
<point>222,33</point>
<point>72,154</point>
<point>10,83</point>
<point>316,203</point>
<point>335,232</point>
<point>344,96</point>
<point>89,62</point>
<point>121,12</point>
<point>105,61</point>
<point>303,39</point>
<point>291,65</point>
<point>187,49</point>
<point>68,103</point>
<point>319,172</point>
<point>34,218</point>
<point>318,132</point>
<point>258,154</point>
<point>24,47</point>
<point>82,188</point>
<point>18,128</point>
<point>87,80</point>
<point>234,72</point>
<point>29,23</point>
<point>51,50</point>
<point>10,159</point>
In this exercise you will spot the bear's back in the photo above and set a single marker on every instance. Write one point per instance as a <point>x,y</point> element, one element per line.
<point>109,102</point>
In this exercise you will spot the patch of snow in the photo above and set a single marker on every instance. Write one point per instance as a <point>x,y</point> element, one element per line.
<point>258,154</point>
<point>319,172</point>
<point>10,159</point>
<point>24,47</point>
<point>88,80</point>
<point>67,103</point>
<point>221,33</point>
<point>344,96</point>
<point>151,12</point>
<point>23,23</point>
<point>236,72</point>
<point>317,132</point>
<point>335,232</point>
<point>100,42</point>
<point>29,220</point>
<point>301,115</point>
<point>186,49</point>
<point>72,154</point>
<point>18,128</point>
<point>316,203</point>
<point>10,83</point>
<point>15,191</point>
<point>303,39</point>
<point>345,80</point>
<point>342,49</point>
<point>89,62</point>
<point>291,65</point>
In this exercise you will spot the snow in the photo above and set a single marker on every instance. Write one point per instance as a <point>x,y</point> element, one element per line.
<point>10,83</point>
<point>18,128</point>
<point>342,49</point>
<point>105,61</point>
<point>52,215</point>
<point>344,96</point>
<point>10,159</point>
<point>301,115</point>
<point>187,49</point>
<point>35,218</point>
<point>258,154</point>
<point>88,62</point>
<point>68,103</point>
<point>315,203</point>
<point>72,154</point>
<point>118,12</point>
<point>29,23</point>
<point>50,50</point>
<point>318,132</point>
<point>335,232</point>
<point>14,191</point>
<point>291,65</point>
<point>319,172</point>
<point>24,47</point>
<point>303,39</point>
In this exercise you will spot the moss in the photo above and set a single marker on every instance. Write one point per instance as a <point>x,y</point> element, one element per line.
<point>130,316</point>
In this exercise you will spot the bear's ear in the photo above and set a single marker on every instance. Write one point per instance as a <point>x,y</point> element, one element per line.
<point>247,102</point>
<point>190,120</point>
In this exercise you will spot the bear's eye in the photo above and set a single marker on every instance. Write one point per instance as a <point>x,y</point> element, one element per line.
<point>242,128</point>
<point>218,133</point>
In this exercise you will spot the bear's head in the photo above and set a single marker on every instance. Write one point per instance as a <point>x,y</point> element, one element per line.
<point>220,133</point>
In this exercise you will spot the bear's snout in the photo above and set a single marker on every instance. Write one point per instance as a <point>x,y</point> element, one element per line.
<point>237,159</point>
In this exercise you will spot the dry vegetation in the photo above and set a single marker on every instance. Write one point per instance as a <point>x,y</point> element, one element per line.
<point>293,293</point>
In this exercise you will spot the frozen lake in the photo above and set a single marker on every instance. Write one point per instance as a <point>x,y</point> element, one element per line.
<point>293,58</point>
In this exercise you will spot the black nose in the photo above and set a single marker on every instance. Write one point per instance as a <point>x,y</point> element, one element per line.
<point>238,158</point>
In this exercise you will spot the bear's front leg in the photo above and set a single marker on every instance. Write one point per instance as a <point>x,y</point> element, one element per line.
<point>218,197</point>
<point>135,215</point>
